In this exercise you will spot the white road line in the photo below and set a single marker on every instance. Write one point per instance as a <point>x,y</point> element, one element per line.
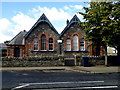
<point>78,88</point>
<point>100,87</point>
<point>20,86</point>
<point>62,82</point>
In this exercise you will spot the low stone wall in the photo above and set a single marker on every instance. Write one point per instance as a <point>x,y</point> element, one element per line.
<point>77,60</point>
<point>96,60</point>
<point>56,61</point>
<point>93,61</point>
<point>31,62</point>
<point>100,60</point>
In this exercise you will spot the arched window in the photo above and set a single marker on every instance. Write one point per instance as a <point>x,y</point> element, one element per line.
<point>82,44</point>
<point>75,43</point>
<point>35,44</point>
<point>68,44</point>
<point>51,44</point>
<point>43,42</point>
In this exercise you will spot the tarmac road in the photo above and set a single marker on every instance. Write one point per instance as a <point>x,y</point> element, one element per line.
<point>58,79</point>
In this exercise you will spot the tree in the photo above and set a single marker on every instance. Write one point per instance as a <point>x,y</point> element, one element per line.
<point>114,40</point>
<point>96,24</point>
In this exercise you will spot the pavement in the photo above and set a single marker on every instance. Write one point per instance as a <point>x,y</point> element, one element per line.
<point>98,69</point>
<point>81,69</point>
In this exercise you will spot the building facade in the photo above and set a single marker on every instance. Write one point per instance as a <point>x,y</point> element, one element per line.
<point>44,40</point>
<point>16,47</point>
<point>73,38</point>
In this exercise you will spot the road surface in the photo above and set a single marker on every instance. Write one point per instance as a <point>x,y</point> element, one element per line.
<point>58,79</point>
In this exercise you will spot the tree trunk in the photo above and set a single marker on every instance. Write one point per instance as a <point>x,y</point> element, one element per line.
<point>106,61</point>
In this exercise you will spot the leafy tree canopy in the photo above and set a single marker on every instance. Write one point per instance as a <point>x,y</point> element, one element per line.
<point>102,23</point>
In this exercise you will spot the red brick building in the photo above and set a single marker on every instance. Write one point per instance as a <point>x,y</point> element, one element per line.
<point>16,47</point>
<point>43,39</point>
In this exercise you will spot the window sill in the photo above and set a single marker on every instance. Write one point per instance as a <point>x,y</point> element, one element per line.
<point>76,51</point>
<point>43,50</point>
<point>34,50</point>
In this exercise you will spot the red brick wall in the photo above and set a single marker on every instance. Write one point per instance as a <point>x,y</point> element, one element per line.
<point>93,51</point>
<point>28,48</point>
<point>10,50</point>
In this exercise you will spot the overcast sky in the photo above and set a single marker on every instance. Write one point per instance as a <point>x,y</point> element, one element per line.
<point>19,16</point>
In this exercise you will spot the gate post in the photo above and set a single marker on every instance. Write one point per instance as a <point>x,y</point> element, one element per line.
<point>75,56</point>
<point>61,58</point>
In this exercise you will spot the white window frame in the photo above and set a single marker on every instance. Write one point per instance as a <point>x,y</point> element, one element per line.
<point>43,42</point>
<point>68,45</point>
<point>35,43</point>
<point>75,43</point>
<point>82,44</point>
<point>51,44</point>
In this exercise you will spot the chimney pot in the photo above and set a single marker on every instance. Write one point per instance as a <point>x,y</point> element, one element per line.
<point>67,21</point>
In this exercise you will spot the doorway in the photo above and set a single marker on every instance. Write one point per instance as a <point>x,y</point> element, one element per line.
<point>17,52</point>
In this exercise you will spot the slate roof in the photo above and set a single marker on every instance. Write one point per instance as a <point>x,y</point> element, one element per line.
<point>18,39</point>
<point>43,18</point>
<point>75,19</point>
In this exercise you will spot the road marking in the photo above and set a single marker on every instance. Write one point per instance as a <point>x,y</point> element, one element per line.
<point>100,87</point>
<point>22,86</point>
<point>78,88</point>
<point>62,82</point>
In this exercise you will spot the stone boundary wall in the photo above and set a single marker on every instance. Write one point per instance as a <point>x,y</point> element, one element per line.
<point>31,61</point>
<point>59,60</point>
<point>96,60</point>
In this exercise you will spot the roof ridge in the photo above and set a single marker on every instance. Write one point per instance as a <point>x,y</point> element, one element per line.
<point>75,19</point>
<point>14,37</point>
<point>20,34</point>
<point>44,19</point>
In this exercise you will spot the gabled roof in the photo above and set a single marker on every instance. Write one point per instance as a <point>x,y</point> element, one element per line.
<point>18,39</point>
<point>75,19</point>
<point>43,18</point>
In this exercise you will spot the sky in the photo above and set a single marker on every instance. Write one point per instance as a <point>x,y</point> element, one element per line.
<point>19,16</point>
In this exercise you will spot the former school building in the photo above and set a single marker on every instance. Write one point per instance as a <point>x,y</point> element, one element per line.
<point>43,39</point>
